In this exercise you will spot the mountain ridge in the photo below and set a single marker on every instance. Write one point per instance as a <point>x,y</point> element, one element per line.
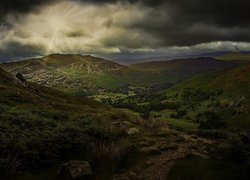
<point>88,74</point>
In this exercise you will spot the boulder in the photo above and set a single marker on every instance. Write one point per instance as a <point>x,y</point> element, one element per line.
<point>20,77</point>
<point>133,131</point>
<point>76,169</point>
<point>150,150</point>
<point>166,147</point>
<point>143,144</point>
<point>132,175</point>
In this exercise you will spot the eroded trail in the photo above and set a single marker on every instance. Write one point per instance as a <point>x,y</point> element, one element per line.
<point>163,154</point>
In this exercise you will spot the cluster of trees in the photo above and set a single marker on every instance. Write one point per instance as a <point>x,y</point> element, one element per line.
<point>197,95</point>
<point>143,103</point>
<point>210,120</point>
<point>188,100</point>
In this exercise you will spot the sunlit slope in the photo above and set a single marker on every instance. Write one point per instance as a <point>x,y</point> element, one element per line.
<point>15,93</point>
<point>70,72</point>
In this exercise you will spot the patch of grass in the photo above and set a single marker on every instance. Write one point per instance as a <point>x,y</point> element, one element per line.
<point>180,124</point>
<point>235,56</point>
<point>196,168</point>
<point>109,155</point>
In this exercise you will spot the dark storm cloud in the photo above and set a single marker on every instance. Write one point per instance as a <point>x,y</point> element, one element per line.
<point>189,22</point>
<point>223,12</point>
<point>139,25</point>
<point>21,6</point>
<point>15,51</point>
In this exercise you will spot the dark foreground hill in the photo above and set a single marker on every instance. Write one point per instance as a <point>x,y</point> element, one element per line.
<point>40,127</point>
<point>38,124</point>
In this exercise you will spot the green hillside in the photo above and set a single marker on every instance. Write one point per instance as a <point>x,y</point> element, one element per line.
<point>239,56</point>
<point>185,67</point>
<point>40,127</point>
<point>71,72</point>
<point>91,75</point>
<point>234,82</point>
<point>178,70</point>
<point>224,94</point>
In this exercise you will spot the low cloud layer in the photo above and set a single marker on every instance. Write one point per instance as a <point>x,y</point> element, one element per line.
<point>31,28</point>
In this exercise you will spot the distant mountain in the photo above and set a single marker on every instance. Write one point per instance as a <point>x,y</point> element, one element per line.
<point>140,58</point>
<point>185,68</point>
<point>238,56</point>
<point>88,74</point>
<point>69,72</point>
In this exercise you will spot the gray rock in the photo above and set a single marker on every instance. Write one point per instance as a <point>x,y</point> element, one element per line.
<point>133,131</point>
<point>76,169</point>
<point>132,175</point>
<point>165,147</point>
<point>150,150</point>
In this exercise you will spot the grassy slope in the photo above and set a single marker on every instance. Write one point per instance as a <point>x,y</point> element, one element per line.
<point>182,66</point>
<point>39,125</point>
<point>235,56</point>
<point>196,168</point>
<point>14,93</point>
<point>80,73</point>
<point>70,72</point>
<point>234,83</point>
<point>178,70</point>
<point>41,128</point>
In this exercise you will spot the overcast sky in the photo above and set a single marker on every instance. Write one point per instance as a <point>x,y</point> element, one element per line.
<point>123,29</point>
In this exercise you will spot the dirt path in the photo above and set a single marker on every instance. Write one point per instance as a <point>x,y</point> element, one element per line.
<point>161,156</point>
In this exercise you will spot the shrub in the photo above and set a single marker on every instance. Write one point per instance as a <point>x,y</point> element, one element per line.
<point>107,129</point>
<point>29,140</point>
<point>195,95</point>
<point>179,113</point>
<point>211,120</point>
<point>120,116</point>
<point>106,155</point>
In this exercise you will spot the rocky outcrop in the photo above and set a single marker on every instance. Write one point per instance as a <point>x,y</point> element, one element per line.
<point>75,169</point>
<point>20,77</point>
<point>7,77</point>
